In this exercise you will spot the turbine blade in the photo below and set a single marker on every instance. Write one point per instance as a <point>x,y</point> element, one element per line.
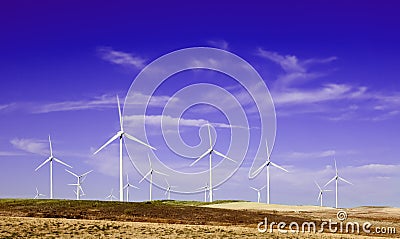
<point>72,184</point>
<point>344,180</point>
<point>166,191</point>
<point>51,148</point>
<point>145,176</point>
<point>41,165</point>
<point>317,185</point>
<point>327,190</point>
<point>202,156</point>
<point>148,157</point>
<point>166,181</point>
<point>335,166</point>
<point>71,173</point>
<point>254,188</point>
<point>133,186</point>
<point>61,162</point>
<point>329,181</point>
<point>108,142</point>
<point>209,134</point>
<point>83,175</point>
<point>139,141</point>
<point>262,167</point>
<point>119,113</point>
<point>319,196</point>
<point>224,156</point>
<point>277,166</point>
<point>160,173</point>
<point>126,185</point>
<point>262,188</point>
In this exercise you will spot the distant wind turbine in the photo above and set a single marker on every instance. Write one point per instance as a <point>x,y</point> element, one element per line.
<point>38,195</point>
<point>267,164</point>
<point>111,196</point>
<point>258,192</point>
<point>209,152</point>
<point>151,171</point>
<point>127,186</point>
<point>206,188</point>
<point>336,178</point>
<point>50,159</point>
<point>168,190</point>
<point>79,182</point>
<point>120,134</point>
<point>321,192</point>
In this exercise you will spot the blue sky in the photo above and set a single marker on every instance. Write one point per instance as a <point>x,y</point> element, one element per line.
<point>332,70</point>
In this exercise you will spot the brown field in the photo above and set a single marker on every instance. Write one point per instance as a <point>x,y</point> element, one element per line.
<point>22,218</point>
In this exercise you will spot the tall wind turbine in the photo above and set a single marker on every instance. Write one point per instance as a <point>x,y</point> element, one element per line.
<point>50,159</point>
<point>38,195</point>
<point>111,196</point>
<point>209,152</point>
<point>127,186</point>
<point>321,192</point>
<point>120,134</point>
<point>168,190</point>
<point>258,192</point>
<point>267,164</point>
<point>151,171</point>
<point>336,178</point>
<point>79,182</point>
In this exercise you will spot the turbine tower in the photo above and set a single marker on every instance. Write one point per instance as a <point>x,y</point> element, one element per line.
<point>38,195</point>
<point>50,160</point>
<point>321,192</point>
<point>121,134</point>
<point>79,182</point>
<point>127,186</point>
<point>206,188</point>
<point>209,152</point>
<point>267,164</point>
<point>258,192</point>
<point>336,178</point>
<point>151,171</point>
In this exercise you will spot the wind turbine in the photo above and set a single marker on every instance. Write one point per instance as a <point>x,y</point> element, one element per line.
<point>78,184</point>
<point>337,178</point>
<point>151,171</point>
<point>168,190</point>
<point>111,196</point>
<point>120,134</point>
<point>38,195</point>
<point>209,152</point>
<point>267,164</point>
<point>50,159</point>
<point>258,192</point>
<point>321,192</point>
<point>206,188</point>
<point>127,186</point>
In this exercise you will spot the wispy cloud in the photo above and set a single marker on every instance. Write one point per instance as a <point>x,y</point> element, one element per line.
<point>222,44</point>
<point>35,146</point>
<point>9,153</point>
<point>121,58</point>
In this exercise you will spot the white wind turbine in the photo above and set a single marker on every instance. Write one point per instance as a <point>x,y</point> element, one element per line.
<point>168,190</point>
<point>151,171</point>
<point>50,159</point>
<point>120,134</point>
<point>321,192</point>
<point>79,182</point>
<point>258,192</point>
<point>206,188</point>
<point>127,186</point>
<point>336,178</point>
<point>267,164</point>
<point>111,196</point>
<point>38,195</point>
<point>209,152</point>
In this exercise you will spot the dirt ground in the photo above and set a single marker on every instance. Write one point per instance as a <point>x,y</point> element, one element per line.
<point>175,219</point>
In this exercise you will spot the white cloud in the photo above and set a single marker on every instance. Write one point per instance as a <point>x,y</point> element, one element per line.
<point>121,58</point>
<point>8,153</point>
<point>222,44</point>
<point>35,146</point>
<point>308,155</point>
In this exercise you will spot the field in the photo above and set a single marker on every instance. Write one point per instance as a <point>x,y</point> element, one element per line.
<point>26,218</point>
